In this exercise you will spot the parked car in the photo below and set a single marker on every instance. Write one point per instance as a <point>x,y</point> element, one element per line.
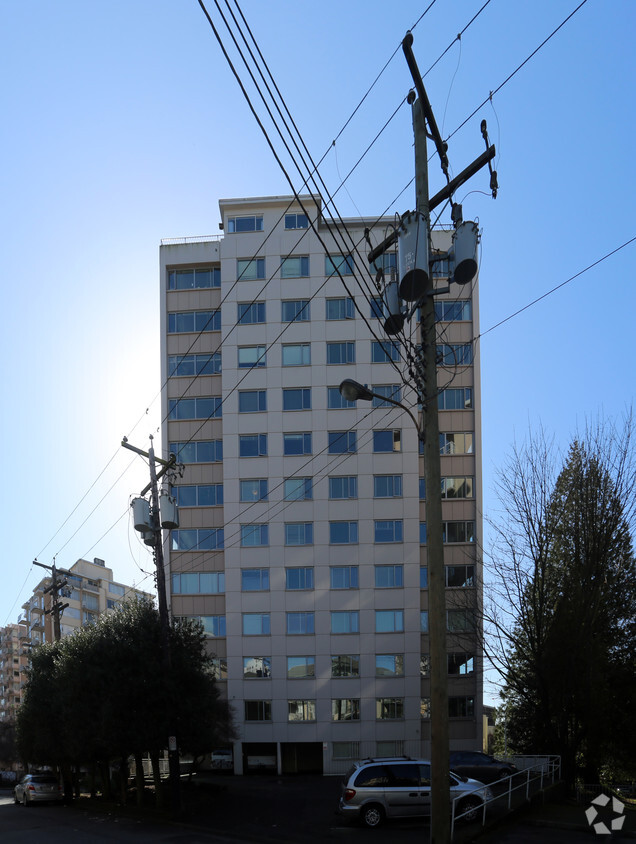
<point>38,788</point>
<point>400,787</point>
<point>222,759</point>
<point>480,766</point>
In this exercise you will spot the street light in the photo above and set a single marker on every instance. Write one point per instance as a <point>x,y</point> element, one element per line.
<point>352,391</point>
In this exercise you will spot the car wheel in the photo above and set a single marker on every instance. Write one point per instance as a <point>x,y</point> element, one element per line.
<point>471,808</point>
<point>372,816</point>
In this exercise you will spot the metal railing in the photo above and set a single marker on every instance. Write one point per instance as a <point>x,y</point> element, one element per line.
<point>203,238</point>
<point>530,779</point>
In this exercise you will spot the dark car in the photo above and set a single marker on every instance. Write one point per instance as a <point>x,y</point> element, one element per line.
<point>38,788</point>
<point>480,766</point>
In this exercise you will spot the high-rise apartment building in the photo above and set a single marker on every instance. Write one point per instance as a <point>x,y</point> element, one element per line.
<point>89,591</point>
<point>302,538</point>
<point>14,654</point>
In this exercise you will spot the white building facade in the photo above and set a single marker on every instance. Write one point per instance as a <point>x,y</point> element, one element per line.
<point>302,538</point>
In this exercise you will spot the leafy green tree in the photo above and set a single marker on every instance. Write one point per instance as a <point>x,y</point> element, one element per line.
<point>108,692</point>
<point>561,603</point>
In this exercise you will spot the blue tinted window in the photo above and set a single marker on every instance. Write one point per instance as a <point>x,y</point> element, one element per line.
<point>388,531</point>
<point>297,443</point>
<point>343,487</point>
<point>342,442</point>
<point>252,401</point>
<point>297,398</point>
<point>251,312</point>
<point>252,445</point>
<point>387,440</point>
<point>254,580</point>
<point>295,310</point>
<point>343,533</point>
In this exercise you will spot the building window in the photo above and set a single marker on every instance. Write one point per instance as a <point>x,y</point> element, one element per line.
<point>236,225</point>
<point>389,665</point>
<point>198,583</point>
<point>461,707</point>
<point>377,308</point>
<point>258,710</point>
<point>457,487</point>
<point>341,352</point>
<point>194,364</point>
<point>389,577</point>
<point>299,667</point>
<point>296,398</point>
<point>343,577</point>
<point>459,577</point>
<point>345,486</point>
<point>299,533</point>
<point>250,313</point>
<point>191,321</point>
<point>453,310</point>
<point>455,398</point>
<point>252,445</point>
<point>389,391</point>
<point>194,279</point>
<point>422,533</point>
<point>389,708</point>
<point>387,486</point>
<point>460,621</point>
<point>295,310</point>
<point>299,578</point>
<point>251,356</point>
<point>204,539</point>
<point>387,530</point>
<point>213,625</point>
<point>300,623</point>
<point>456,443</point>
<point>295,266</point>
<point>425,708</point>
<point>345,622</point>
<point>455,354</point>
<point>256,624</point>
<point>384,351</point>
<point>424,621</point>
<point>342,308</point>
<point>252,401</point>
<point>296,221</point>
<point>254,580</point>
<point>296,354</point>
<point>458,531</point>
<point>386,441</point>
<point>423,577</point>
<point>297,444</point>
<point>345,709</point>
<point>393,747</point>
<point>422,489</point>
<point>425,665</point>
<point>389,621</point>
<point>342,442</point>
<point>253,489</point>
<point>218,667</point>
<point>202,407</point>
<point>459,665</point>
<point>345,665</point>
<point>254,535</point>
<point>343,533</point>
<point>339,265</point>
<point>257,667</point>
<point>345,750</point>
<point>301,710</point>
<point>205,495</point>
<point>335,401</point>
<point>298,489</point>
<point>250,269</point>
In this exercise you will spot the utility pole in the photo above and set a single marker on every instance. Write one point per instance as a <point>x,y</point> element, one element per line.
<point>56,608</point>
<point>416,287</point>
<point>155,527</point>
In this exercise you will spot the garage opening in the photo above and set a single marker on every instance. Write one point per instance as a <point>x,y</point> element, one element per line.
<point>301,757</point>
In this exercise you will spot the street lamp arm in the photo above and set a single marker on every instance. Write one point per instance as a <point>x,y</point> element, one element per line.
<point>353,391</point>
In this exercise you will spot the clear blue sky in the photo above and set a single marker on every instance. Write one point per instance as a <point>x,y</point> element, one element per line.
<point>123,125</point>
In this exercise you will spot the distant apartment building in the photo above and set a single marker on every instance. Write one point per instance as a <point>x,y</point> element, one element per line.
<point>14,654</point>
<point>302,538</point>
<point>90,590</point>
